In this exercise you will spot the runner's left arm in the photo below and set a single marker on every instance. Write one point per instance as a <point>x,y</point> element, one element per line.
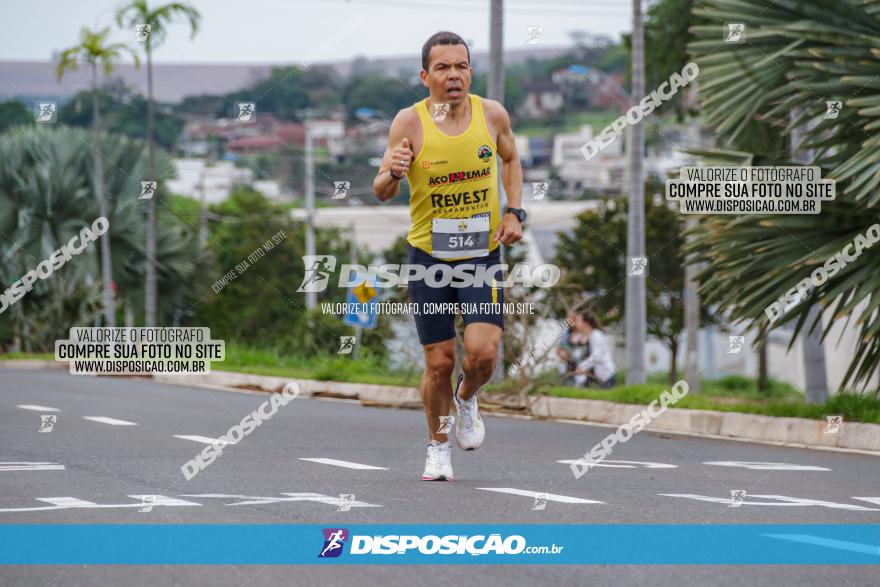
<point>510,230</point>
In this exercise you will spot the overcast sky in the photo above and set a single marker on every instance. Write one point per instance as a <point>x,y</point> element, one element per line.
<point>272,31</point>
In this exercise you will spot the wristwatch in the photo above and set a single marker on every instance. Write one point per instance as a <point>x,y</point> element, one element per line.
<point>518,212</point>
<point>394,176</point>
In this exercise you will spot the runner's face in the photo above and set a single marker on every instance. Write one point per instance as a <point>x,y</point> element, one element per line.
<point>448,78</point>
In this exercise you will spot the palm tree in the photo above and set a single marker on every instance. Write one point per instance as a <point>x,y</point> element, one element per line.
<point>46,197</point>
<point>796,56</point>
<point>138,13</point>
<point>94,50</point>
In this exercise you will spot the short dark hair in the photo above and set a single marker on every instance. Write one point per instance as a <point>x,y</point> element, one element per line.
<point>442,38</point>
<point>591,319</point>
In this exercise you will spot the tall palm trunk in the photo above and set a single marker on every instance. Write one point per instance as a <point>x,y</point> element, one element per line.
<point>763,381</point>
<point>150,286</point>
<point>106,265</point>
<point>673,360</point>
<point>129,314</point>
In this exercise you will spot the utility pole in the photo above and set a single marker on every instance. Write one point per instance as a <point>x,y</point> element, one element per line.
<point>691,291</point>
<point>311,297</point>
<point>815,374</point>
<point>635,242</point>
<point>315,129</point>
<point>495,90</point>
<point>203,215</point>
<point>495,85</point>
<point>358,331</point>
<point>692,322</point>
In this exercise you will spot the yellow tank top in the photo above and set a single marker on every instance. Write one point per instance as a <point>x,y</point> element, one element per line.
<point>453,177</point>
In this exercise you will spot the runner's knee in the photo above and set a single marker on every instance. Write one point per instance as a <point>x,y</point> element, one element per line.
<point>482,360</point>
<point>439,364</point>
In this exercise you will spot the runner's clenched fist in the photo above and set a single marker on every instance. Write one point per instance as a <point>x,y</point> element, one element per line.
<point>401,158</point>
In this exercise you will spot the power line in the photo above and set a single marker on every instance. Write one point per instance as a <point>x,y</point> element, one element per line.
<point>598,10</point>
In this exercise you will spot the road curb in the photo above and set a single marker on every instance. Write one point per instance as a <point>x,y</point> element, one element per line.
<point>748,427</point>
<point>33,364</point>
<point>365,392</point>
<point>771,429</point>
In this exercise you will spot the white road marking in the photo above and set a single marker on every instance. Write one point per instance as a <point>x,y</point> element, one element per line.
<point>111,421</point>
<point>828,543</point>
<point>67,502</point>
<point>675,435</point>
<point>196,438</point>
<point>781,501</point>
<point>761,466</point>
<point>874,500</point>
<point>346,464</point>
<point>260,500</point>
<point>625,464</point>
<point>63,503</point>
<point>37,408</point>
<point>163,500</point>
<point>24,466</point>
<point>532,494</point>
<point>341,400</point>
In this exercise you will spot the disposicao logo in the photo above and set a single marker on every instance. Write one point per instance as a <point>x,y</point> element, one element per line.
<point>334,540</point>
<point>431,544</point>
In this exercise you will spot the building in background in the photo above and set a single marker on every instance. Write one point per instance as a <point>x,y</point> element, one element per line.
<point>542,98</point>
<point>197,177</point>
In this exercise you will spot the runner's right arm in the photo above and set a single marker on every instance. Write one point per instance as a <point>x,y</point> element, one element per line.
<point>397,159</point>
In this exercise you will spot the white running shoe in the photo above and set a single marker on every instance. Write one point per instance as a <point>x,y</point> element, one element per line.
<point>438,466</point>
<point>469,429</point>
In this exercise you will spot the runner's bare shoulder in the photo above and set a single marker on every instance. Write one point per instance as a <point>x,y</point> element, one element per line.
<point>407,124</point>
<point>497,118</point>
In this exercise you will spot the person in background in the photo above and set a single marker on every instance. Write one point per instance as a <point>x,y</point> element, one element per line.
<point>597,367</point>
<point>570,353</point>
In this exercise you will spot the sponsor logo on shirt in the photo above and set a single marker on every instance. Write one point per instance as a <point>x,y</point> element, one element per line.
<point>459,176</point>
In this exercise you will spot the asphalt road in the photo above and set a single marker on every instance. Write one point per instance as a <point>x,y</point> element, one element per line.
<point>115,440</point>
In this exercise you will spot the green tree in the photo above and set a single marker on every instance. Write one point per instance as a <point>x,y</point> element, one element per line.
<point>379,92</point>
<point>797,56</point>
<point>594,264</point>
<point>122,111</point>
<point>259,304</point>
<point>13,113</point>
<point>47,197</point>
<point>667,25</point>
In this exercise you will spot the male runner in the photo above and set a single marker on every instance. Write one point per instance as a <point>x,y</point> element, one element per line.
<point>446,146</point>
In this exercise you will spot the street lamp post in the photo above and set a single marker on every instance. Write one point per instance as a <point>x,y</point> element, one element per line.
<point>311,296</point>
<point>636,306</point>
<point>636,310</point>
<point>315,129</point>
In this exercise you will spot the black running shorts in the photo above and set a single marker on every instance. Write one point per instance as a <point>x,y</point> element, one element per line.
<point>435,307</point>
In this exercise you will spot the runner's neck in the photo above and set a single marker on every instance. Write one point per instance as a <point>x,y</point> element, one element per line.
<point>457,112</point>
